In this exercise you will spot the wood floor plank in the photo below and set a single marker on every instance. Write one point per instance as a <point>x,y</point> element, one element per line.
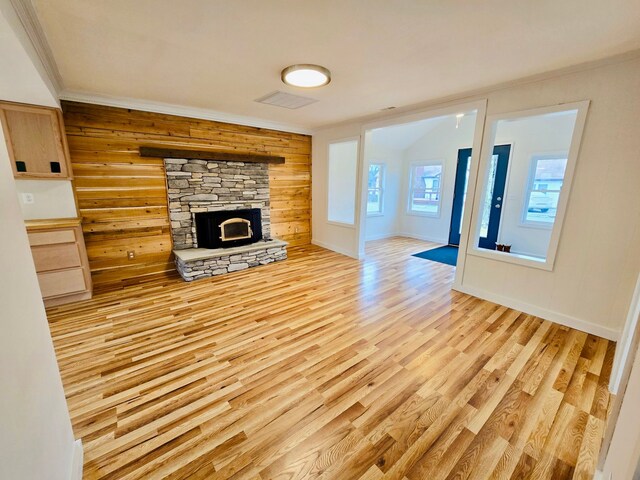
<point>323,366</point>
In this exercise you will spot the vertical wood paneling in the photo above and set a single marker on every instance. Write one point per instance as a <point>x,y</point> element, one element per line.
<point>122,196</point>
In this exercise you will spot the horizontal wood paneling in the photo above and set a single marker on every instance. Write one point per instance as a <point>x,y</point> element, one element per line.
<point>122,196</point>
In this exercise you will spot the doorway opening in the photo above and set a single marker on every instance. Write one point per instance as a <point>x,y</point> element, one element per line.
<point>411,177</point>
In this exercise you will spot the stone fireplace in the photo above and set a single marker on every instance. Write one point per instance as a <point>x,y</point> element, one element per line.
<point>220,218</point>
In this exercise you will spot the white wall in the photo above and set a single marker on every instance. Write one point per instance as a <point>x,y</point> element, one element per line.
<point>340,238</point>
<point>598,258</point>
<point>52,199</point>
<point>623,457</point>
<point>36,440</point>
<point>527,137</point>
<point>343,171</point>
<point>440,144</point>
<point>386,224</point>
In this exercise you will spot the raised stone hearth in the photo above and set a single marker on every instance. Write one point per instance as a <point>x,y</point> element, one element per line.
<point>195,186</point>
<point>196,263</point>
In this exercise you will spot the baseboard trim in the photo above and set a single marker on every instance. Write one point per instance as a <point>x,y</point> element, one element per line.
<point>333,248</point>
<point>77,461</point>
<point>426,238</point>
<point>552,316</point>
<point>381,236</point>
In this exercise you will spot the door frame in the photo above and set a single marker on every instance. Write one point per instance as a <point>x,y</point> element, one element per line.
<point>480,107</point>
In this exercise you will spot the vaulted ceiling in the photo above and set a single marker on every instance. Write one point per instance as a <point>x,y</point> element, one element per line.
<point>222,55</point>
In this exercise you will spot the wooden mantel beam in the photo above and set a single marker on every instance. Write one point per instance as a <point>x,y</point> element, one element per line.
<point>208,155</point>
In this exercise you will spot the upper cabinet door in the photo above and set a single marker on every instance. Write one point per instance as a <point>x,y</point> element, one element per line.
<point>36,141</point>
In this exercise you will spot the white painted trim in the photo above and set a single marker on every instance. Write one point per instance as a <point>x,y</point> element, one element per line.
<point>335,223</point>
<point>179,110</point>
<point>625,347</point>
<point>552,316</point>
<point>29,19</point>
<point>77,461</point>
<point>426,238</point>
<point>472,185</point>
<point>336,249</point>
<point>425,163</point>
<point>381,236</point>
<point>433,111</point>
<point>488,143</point>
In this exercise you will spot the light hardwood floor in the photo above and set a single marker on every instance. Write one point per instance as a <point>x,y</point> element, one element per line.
<point>327,367</point>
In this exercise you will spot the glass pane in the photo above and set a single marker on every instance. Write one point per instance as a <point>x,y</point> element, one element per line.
<point>375,174</point>
<point>464,195</point>
<point>374,195</point>
<point>425,188</point>
<point>374,201</point>
<point>542,203</point>
<point>488,198</point>
<point>523,183</point>
<point>343,163</point>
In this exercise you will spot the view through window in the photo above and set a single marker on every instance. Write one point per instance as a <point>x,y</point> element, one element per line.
<point>543,192</point>
<point>426,188</point>
<point>375,188</point>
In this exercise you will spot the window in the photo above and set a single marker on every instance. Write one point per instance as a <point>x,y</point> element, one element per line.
<point>425,189</point>
<point>375,189</point>
<point>343,164</point>
<point>519,189</point>
<point>543,191</point>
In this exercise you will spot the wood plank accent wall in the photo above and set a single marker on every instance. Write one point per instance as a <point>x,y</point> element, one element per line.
<point>122,196</point>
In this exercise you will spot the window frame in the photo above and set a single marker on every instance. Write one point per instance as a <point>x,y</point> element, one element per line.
<point>412,167</point>
<point>533,163</point>
<point>488,142</point>
<point>381,188</point>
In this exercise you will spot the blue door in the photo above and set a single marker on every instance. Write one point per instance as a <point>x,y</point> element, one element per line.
<point>459,195</point>
<point>492,204</point>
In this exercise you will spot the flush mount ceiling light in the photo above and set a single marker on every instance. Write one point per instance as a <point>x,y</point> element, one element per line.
<point>306,75</point>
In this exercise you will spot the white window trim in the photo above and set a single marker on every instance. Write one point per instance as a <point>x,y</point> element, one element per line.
<point>533,161</point>
<point>426,163</point>
<point>572,157</point>
<point>337,223</point>
<point>383,177</point>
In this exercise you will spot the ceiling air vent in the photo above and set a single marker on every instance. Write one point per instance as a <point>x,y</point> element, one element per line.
<point>285,100</point>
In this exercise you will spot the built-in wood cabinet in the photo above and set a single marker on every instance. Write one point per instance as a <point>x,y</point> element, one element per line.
<point>60,257</point>
<point>36,141</point>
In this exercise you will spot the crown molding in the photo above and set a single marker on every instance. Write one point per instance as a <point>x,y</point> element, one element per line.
<point>180,111</point>
<point>28,17</point>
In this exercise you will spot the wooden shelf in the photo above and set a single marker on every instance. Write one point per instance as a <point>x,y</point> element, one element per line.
<point>207,155</point>
<point>45,224</point>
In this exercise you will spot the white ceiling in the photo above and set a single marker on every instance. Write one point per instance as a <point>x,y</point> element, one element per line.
<point>221,55</point>
<point>403,136</point>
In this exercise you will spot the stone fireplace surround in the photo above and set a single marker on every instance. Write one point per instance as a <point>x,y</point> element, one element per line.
<point>194,186</point>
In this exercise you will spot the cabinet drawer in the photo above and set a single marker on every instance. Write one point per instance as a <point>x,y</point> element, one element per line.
<point>56,257</point>
<point>61,282</point>
<point>52,237</point>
